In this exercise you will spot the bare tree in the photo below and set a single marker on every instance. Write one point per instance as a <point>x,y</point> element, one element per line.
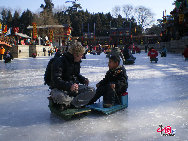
<point>44,18</point>
<point>116,11</point>
<point>127,11</point>
<point>155,29</point>
<point>60,8</point>
<point>143,16</point>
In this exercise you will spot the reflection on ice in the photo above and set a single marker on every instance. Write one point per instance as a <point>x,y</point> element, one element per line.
<point>157,95</point>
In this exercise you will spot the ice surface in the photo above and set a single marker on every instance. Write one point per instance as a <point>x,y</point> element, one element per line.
<point>158,94</point>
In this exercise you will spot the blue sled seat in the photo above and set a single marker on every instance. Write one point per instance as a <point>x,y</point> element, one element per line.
<point>122,99</point>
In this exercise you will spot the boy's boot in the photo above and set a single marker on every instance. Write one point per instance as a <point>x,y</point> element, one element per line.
<point>110,98</point>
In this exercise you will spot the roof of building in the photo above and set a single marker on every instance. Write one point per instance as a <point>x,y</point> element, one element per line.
<point>5,44</point>
<point>23,35</point>
<point>48,26</point>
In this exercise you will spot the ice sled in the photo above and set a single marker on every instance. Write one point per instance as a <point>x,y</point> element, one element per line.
<point>126,62</point>
<point>98,53</point>
<point>154,59</point>
<point>121,103</point>
<point>67,114</point>
<point>7,61</point>
<point>186,59</point>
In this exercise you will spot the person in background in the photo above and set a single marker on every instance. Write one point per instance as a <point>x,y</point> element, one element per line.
<point>2,52</point>
<point>128,55</point>
<point>163,52</point>
<point>8,56</point>
<point>152,53</point>
<point>185,53</point>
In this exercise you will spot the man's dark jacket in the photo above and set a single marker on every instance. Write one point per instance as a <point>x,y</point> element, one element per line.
<point>118,77</point>
<point>65,72</point>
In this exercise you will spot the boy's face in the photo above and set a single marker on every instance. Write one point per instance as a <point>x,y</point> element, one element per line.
<point>77,58</point>
<point>112,64</point>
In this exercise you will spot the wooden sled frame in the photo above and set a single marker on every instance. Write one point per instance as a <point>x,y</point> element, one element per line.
<point>67,114</point>
<point>154,59</point>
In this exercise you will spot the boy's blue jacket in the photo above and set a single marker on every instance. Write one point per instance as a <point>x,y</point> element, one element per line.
<point>118,77</point>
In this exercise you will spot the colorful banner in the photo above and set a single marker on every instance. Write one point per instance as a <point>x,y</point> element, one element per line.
<point>8,32</point>
<point>181,17</point>
<point>34,30</point>
<point>51,35</point>
<point>178,5</point>
<point>0,27</point>
<point>5,29</point>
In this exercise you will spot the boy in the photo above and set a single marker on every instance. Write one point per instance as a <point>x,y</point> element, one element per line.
<point>115,82</point>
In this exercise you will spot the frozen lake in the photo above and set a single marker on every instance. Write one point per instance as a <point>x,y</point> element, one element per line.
<point>158,95</point>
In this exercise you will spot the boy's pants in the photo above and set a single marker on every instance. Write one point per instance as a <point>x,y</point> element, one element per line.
<point>106,91</point>
<point>82,99</point>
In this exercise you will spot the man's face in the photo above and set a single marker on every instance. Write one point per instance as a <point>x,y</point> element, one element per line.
<point>112,64</point>
<point>77,58</point>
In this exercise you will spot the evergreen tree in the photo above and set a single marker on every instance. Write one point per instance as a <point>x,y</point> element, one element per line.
<point>4,18</point>
<point>25,21</point>
<point>9,19</point>
<point>48,7</point>
<point>16,19</point>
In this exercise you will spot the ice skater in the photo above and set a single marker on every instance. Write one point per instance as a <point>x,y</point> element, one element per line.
<point>115,82</point>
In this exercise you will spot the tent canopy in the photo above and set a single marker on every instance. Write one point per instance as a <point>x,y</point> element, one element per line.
<point>22,35</point>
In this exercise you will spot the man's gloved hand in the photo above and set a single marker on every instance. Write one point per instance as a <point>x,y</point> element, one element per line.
<point>86,81</point>
<point>72,93</point>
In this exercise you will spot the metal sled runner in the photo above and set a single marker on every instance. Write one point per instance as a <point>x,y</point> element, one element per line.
<point>154,59</point>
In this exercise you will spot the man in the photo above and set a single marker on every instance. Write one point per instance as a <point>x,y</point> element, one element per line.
<point>65,76</point>
<point>2,52</point>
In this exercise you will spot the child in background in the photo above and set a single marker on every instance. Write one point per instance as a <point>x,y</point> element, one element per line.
<point>152,53</point>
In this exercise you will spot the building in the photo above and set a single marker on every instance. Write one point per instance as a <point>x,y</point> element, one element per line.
<point>175,26</point>
<point>58,35</point>
<point>120,36</point>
